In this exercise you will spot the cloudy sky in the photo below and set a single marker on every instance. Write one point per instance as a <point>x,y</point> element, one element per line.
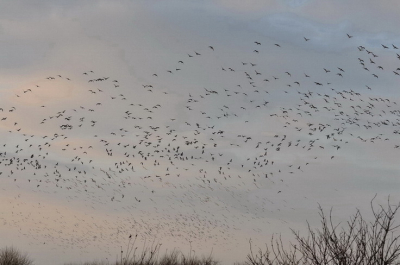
<point>196,124</point>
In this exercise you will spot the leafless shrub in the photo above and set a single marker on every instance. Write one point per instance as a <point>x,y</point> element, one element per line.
<point>148,255</point>
<point>275,254</point>
<point>11,256</point>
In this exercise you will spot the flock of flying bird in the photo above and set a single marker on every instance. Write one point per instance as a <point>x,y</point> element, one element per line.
<point>179,163</point>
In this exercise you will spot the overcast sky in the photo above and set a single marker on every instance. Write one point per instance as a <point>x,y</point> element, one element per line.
<point>117,117</point>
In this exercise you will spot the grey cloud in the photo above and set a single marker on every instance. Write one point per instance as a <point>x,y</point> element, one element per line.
<point>21,55</point>
<point>22,10</point>
<point>296,3</point>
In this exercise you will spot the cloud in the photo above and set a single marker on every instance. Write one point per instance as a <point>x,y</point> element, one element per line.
<point>296,3</point>
<point>248,6</point>
<point>130,41</point>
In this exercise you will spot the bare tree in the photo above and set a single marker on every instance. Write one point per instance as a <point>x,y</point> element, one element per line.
<point>357,242</point>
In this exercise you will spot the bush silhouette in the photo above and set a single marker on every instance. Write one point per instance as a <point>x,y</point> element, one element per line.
<point>11,256</point>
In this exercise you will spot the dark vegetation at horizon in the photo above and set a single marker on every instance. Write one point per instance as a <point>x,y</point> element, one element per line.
<point>357,242</point>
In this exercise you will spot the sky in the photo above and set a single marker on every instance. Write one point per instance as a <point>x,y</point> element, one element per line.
<point>197,124</point>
